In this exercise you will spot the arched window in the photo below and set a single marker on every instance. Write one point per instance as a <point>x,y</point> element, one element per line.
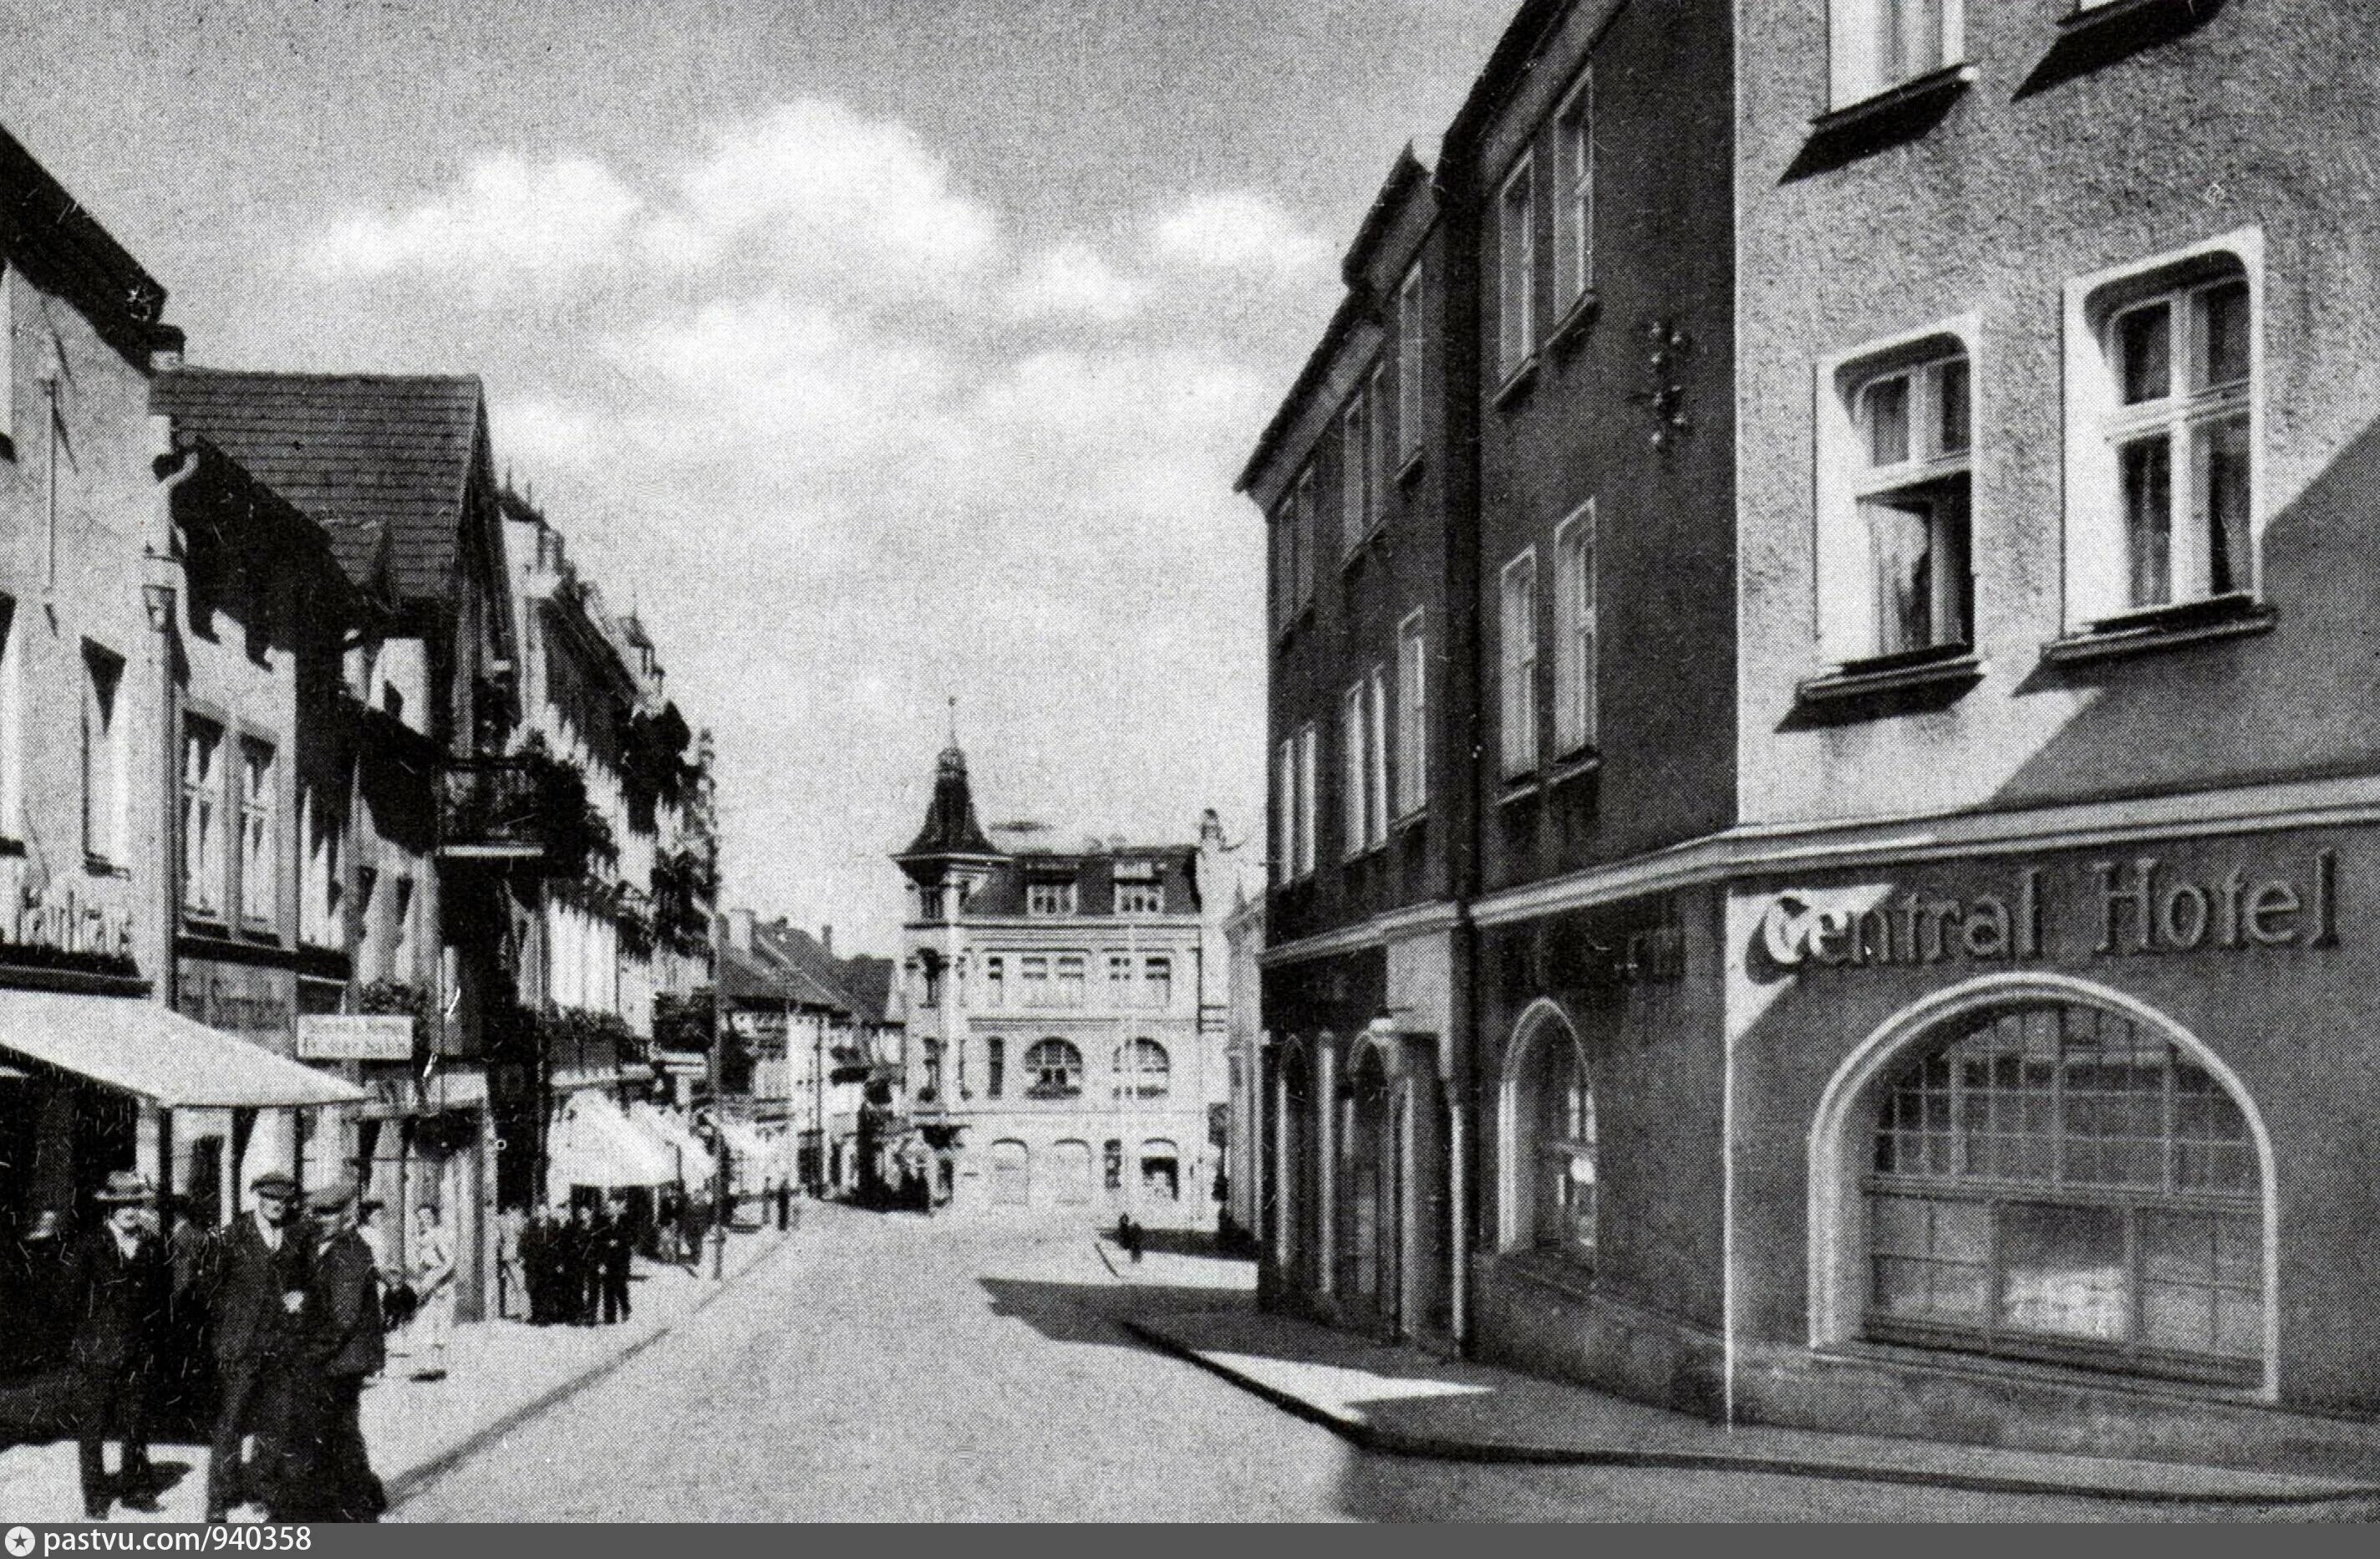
<point>2056,1181</point>
<point>1142,1070</point>
<point>1054,1069</point>
<point>1551,1170</point>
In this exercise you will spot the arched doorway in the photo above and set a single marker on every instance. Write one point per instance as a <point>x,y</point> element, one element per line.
<point>1011,1173</point>
<point>1070,1172</point>
<point>1377,1188</point>
<point>1294,1214</point>
<point>2043,1170</point>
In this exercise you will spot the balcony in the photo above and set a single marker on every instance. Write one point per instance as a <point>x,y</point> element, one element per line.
<point>491,808</point>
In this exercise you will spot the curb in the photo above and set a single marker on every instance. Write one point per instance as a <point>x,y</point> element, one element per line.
<point>404,1485</point>
<point>1399,1443</point>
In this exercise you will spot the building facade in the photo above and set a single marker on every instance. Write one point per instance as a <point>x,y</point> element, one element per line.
<point>1065,1046</point>
<point>1921,777</point>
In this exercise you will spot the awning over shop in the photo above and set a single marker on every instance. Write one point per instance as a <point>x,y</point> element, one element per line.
<point>594,1144</point>
<point>747,1141</point>
<point>146,1049</point>
<point>695,1166</point>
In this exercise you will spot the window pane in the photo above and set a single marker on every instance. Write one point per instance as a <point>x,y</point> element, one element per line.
<point>2224,309</point>
<point>1901,541</point>
<point>2220,500</point>
<point>2062,1271</point>
<point>2144,353</point>
<point>1885,406</point>
<point>1952,388</point>
<point>2148,518</point>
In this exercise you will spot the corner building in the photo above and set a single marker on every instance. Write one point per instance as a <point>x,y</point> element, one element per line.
<point>1909,914</point>
<point>1067,1030</point>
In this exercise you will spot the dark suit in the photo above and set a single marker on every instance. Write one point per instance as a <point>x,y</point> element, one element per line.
<point>119,1312</point>
<point>348,1348</point>
<point>259,1344</point>
<point>614,1249</point>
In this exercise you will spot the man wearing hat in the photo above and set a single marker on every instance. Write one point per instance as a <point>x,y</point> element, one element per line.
<point>348,1350</point>
<point>259,1275</point>
<point>119,1284</point>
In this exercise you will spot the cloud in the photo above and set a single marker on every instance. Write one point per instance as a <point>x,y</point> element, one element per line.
<point>1244,232</point>
<point>815,189</point>
<point>507,216</point>
<point>1072,280</point>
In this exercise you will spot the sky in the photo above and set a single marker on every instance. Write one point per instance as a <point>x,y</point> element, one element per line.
<point>878,354</point>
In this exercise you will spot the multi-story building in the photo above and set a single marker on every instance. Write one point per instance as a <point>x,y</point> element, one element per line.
<point>1065,1042</point>
<point>397,471</point>
<point>102,507</point>
<point>1901,484</point>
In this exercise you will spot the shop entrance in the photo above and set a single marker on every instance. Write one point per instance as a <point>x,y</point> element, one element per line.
<point>1372,1278</point>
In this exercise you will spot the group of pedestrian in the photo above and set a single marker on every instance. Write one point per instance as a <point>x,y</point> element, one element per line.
<point>576,1268</point>
<point>291,1308</point>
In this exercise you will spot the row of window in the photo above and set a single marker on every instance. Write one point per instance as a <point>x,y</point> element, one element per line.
<point>1877,45</point>
<point>1384,762</point>
<point>1062,979</point>
<point>2160,444</point>
<point>1141,1069</point>
<point>1052,899</point>
<point>1379,437</point>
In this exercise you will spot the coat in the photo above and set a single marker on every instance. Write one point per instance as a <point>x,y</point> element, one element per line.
<point>119,1302</point>
<point>245,1281</point>
<point>346,1309</point>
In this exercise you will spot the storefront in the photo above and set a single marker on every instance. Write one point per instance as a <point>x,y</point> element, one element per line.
<point>2070,1148</point>
<point>91,1083</point>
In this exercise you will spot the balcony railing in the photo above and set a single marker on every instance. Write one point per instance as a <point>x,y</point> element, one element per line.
<point>491,807</point>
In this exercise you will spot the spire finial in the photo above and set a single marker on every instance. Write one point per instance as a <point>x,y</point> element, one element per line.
<point>955,720</point>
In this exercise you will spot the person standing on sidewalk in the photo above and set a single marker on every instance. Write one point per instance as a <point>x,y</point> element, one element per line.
<point>259,1273</point>
<point>615,1248</point>
<point>120,1284</point>
<point>348,1350</point>
<point>432,1281</point>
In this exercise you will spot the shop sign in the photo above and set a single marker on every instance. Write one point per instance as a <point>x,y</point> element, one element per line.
<point>352,1037</point>
<point>253,1003</point>
<point>45,917</point>
<point>2142,905</point>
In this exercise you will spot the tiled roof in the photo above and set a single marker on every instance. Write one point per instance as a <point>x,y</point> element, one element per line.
<point>870,981</point>
<point>370,458</point>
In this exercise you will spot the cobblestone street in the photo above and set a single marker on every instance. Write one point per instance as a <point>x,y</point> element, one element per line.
<point>889,1368</point>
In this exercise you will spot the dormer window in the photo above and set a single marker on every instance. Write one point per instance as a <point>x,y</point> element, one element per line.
<point>1053,896</point>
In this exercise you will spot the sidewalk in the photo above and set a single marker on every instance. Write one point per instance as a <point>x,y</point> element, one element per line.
<point>1403,1402</point>
<point>498,1374</point>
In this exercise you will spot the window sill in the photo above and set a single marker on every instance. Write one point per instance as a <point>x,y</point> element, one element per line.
<point>8,447</point>
<point>2167,628</point>
<point>11,847</point>
<point>1300,618</point>
<point>101,866</point>
<point>1580,315</point>
<point>1519,787</point>
<point>1411,820</point>
<point>1938,670</point>
<point>1934,88</point>
<point>1516,384</point>
<point>1585,760</point>
<point>1916,1345</point>
<point>1570,1275</point>
<point>1411,469</point>
<point>2089,18</point>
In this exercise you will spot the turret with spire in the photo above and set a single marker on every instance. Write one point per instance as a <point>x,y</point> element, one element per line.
<point>951,832</point>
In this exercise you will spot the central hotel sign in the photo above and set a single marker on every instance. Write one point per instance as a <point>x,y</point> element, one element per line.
<point>2134,907</point>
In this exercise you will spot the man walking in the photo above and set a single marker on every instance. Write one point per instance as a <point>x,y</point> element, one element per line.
<point>581,1284</point>
<point>119,1282</point>
<point>259,1271</point>
<point>348,1350</point>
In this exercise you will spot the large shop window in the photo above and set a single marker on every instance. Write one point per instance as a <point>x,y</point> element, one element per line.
<point>2053,1181</point>
<point>1054,1070</point>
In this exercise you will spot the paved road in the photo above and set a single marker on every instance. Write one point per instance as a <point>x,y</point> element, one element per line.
<point>887,1368</point>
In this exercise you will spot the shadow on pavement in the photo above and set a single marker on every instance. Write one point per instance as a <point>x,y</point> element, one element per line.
<point>1083,1313</point>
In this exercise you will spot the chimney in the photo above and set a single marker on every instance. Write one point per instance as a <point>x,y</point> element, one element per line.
<point>826,940</point>
<point>1210,829</point>
<point>739,930</point>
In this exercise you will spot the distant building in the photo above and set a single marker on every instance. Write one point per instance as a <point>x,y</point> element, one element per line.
<point>1065,1048</point>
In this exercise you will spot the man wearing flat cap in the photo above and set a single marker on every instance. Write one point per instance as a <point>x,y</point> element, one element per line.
<point>260,1273</point>
<point>118,1286</point>
<point>348,1350</point>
